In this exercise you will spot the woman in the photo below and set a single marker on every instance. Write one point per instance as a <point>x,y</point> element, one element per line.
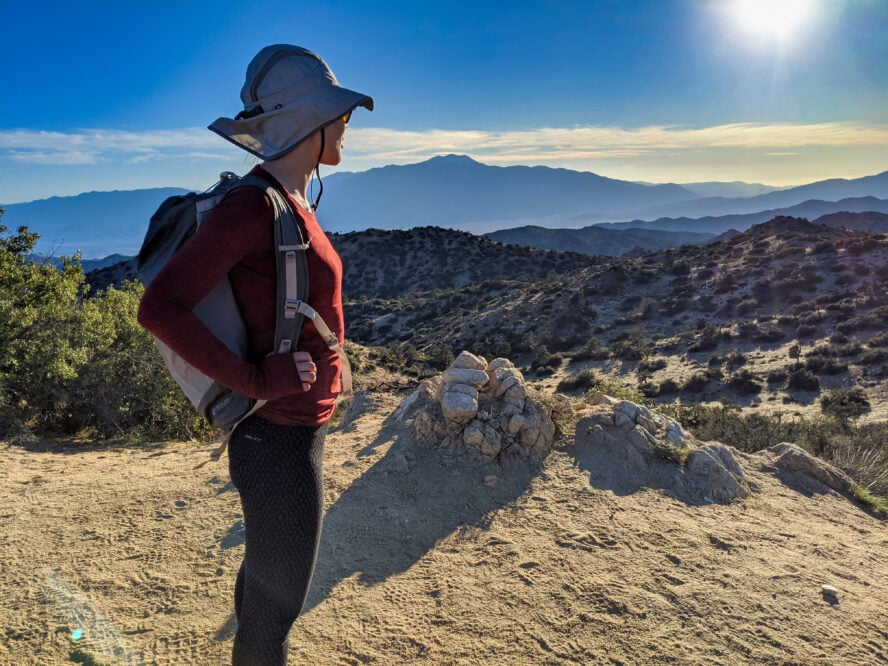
<point>295,115</point>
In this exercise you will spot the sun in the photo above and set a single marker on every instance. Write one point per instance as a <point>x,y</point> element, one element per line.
<point>770,18</point>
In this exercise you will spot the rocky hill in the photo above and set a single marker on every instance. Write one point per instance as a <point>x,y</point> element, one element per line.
<point>771,316</point>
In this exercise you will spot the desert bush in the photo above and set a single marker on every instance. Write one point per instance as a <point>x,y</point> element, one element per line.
<point>669,386</point>
<point>878,340</point>
<point>776,376</point>
<point>825,364</point>
<point>873,356</point>
<point>696,383</point>
<point>592,350</point>
<point>708,338</point>
<point>806,331</point>
<point>582,381</point>
<point>631,345</point>
<point>650,365</point>
<point>744,382</point>
<point>746,307</point>
<point>545,362</point>
<point>857,450</point>
<point>72,365</point>
<point>803,380</point>
<point>862,323</point>
<point>845,403</point>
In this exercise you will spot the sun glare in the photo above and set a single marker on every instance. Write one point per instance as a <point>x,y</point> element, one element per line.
<point>771,18</point>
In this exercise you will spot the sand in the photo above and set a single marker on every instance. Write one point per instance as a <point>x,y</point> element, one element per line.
<point>128,556</point>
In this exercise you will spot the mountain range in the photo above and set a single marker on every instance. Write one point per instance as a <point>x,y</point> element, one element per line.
<point>457,192</point>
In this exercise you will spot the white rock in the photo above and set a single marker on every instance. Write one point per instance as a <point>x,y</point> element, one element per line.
<point>674,433</point>
<point>829,590</point>
<point>463,388</point>
<point>646,423</point>
<point>473,435</point>
<point>599,398</point>
<point>492,443</point>
<point>516,395</point>
<point>529,435</point>
<point>459,407</point>
<point>515,424</point>
<point>469,361</point>
<point>504,383</point>
<point>465,376</point>
<point>498,363</point>
<point>628,408</point>
<point>623,420</point>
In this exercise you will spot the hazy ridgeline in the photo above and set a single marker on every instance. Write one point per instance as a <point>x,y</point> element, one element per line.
<point>789,313</point>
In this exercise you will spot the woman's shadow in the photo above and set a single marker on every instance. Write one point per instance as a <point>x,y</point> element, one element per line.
<point>402,506</point>
<point>407,502</point>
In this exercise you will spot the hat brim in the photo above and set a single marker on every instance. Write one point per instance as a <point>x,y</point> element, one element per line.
<point>275,133</point>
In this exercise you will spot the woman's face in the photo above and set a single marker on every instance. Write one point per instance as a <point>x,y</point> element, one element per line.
<point>333,134</point>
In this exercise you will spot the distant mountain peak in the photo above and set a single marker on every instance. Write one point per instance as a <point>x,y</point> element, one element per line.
<point>452,158</point>
<point>787,224</point>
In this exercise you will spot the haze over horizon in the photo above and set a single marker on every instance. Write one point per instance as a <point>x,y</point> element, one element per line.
<point>118,97</point>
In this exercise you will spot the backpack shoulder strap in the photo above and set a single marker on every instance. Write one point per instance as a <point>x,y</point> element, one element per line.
<point>292,266</point>
<point>292,278</point>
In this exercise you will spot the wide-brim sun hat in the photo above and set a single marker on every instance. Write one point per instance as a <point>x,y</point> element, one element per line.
<point>288,95</point>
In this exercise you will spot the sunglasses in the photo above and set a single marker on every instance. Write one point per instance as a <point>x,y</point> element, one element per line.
<point>347,117</point>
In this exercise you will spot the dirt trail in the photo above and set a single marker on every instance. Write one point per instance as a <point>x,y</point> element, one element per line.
<point>129,557</point>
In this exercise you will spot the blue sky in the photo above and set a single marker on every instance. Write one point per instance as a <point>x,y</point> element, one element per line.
<point>117,95</point>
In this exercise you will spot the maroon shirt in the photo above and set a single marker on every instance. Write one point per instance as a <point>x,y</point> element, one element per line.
<point>238,238</point>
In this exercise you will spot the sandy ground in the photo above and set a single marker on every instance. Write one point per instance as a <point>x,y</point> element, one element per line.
<point>128,557</point>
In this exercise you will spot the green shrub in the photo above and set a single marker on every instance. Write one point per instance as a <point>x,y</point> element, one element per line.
<point>708,338</point>
<point>580,382</point>
<point>632,345</point>
<point>650,365</point>
<point>873,356</point>
<point>592,350</point>
<point>776,376</point>
<point>845,403</point>
<point>696,383</point>
<point>744,382</point>
<point>878,340</point>
<point>76,365</point>
<point>803,380</point>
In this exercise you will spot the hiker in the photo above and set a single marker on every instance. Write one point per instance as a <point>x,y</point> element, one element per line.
<point>294,118</point>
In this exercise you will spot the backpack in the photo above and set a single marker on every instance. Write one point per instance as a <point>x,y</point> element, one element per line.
<point>174,222</point>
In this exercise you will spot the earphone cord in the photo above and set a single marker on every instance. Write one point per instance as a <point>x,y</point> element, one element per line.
<point>314,206</point>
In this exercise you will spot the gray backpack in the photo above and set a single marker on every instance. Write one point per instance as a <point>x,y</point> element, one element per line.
<point>174,222</point>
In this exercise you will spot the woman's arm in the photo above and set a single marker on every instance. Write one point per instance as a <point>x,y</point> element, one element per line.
<point>240,226</point>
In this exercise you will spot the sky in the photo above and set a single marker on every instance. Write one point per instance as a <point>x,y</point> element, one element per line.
<point>116,95</point>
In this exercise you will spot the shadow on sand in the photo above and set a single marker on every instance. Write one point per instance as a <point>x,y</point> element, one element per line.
<point>395,512</point>
<point>401,507</point>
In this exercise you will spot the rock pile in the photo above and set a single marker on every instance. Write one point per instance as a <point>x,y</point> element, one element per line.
<point>483,411</point>
<point>647,449</point>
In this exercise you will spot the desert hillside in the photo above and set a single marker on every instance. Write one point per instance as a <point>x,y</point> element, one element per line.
<point>128,556</point>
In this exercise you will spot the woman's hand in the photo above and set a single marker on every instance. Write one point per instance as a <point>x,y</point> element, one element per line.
<point>308,371</point>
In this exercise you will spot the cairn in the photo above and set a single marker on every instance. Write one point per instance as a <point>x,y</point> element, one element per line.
<point>483,411</point>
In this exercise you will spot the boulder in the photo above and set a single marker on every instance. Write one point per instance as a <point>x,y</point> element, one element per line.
<point>790,456</point>
<point>477,378</point>
<point>485,410</point>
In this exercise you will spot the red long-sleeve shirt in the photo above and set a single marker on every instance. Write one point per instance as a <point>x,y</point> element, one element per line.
<point>238,239</point>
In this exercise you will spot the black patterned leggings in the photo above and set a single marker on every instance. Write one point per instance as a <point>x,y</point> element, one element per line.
<point>279,474</point>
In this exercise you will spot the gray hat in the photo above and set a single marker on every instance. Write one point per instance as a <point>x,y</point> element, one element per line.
<point>289,94</point>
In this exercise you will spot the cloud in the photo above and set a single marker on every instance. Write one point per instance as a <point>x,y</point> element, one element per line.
<point>571,143</point>
<point>579,143</point>
<point>782,153</point>
<point>99,145</point>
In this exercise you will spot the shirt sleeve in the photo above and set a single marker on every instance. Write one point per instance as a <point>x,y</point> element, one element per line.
<point>236,228</point>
